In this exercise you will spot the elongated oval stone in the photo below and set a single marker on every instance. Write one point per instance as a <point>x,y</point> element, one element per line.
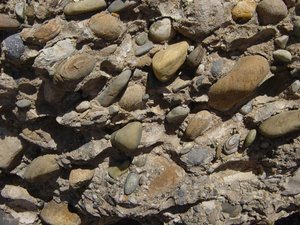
<point>128,138</point>
<point>41,168</point>
<point>241,81</point>
<point>166,62</point>
<point>73,69</point>
<point>7,23</point>
<point>47,31</point>
<point>131,183</point>
<point>281,124</point>
<point>84,6</point>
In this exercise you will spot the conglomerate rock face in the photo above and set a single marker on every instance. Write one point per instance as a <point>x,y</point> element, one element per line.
<point>149,112</point>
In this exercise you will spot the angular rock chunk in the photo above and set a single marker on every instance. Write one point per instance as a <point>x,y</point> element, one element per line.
<point>112,90</point>
<point>58,213</point>
<point>41,169</point>
<point>80,177</point>
<point>271,11</point>
<point>7,23</point>
<point>281,124</point>
<point>127,138</point>
<point>71,71</point>
<point>132,98</point>
<point>10,148</point>
<point>241,81</point>
<point>106,26</point>
<point>198,124</point>
<point>83,6</point>
<point>166,62</point>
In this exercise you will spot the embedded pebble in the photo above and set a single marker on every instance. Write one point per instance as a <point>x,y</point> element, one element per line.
<point>250,138</point>
<point>244,10</point>
<point>112,90</point>
<point>13,46</point>
<point>292,185</point>
<point>141,38</point>
<point>178,114</point>
<point>83,6</point>
<point>161,30</point>
<point>131,183</point>
<point>106,26</point>
<point>141,50</point>
<point>295,87</point>
<point>7,23</point>
<point>47,31</point>
<point>41,168</point>
<point>282,55</point>
<point>132,98</point>
<point>83,106</point>
<point>271,11</point>
<point>166,62</point>
<point>245,109</point>
<point>241,81</point>
<point>231,145</point>
<point>199,123</point>
<point>23,103</point>
<point>197,156</point>
<point>281,124</point>
<point>282,41</point>
<point>119,169</point>
<point>127,138</point>
<point>58,213</point>
<point>80,177</point>
<point>120,5</point>
<point>195,57</point>
<point>20,10</point>
<point>217,68</point>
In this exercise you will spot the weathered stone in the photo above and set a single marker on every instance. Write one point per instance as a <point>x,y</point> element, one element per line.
<point>10,149</point>
<point>178,114</point>
<point>72,70</point>
<point>196,157</point>
<point>132,98</point>
<point>83,6</point>
<point>166,62</point>
<point>13,46</point>
<point>47,31</point>
<point>161,30</point>
<point>120,5</point>
<point>7,23</point>
<point>244,10</point>
<point>131,183</point>
<point>196,56</point>
<point>112,90</point>
<point>141,38</point>
<point>41,168</point>
<point>106,26</point>
<point>198,124</point>
<point>281,124</point>
<point>127,138</point>
<point>23,103</point>
<point>241,81</point>
<point>271,11</point>
<point>80,177</point>
<point>83,106</point>
<point>282,55</point>
<point>58,213</point>
<point>282,41</point>
<point>119,169</point>
<point>141,50</point>
<point>292,186</point>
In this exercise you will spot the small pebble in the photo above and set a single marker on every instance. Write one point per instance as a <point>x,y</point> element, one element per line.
<point>245,109</point>
<point>141,50</point>
<point>295,87</point>
<point>271,11</point>
<point>282,41</point>
<point>196,56</point>
<point>24,103</point>
<point>231,145</point>
<point>120,5</point>
<point>141,38</point>
<point>83,106</point>
<point>177,114</point>
<point>297,27</point>
<point>216,68</point>
<point>161,31</point>
<point>250,138</point>
<point>244,10</point>
<point>282,55</point>
<point>20,10</point>
<point>14,46</point>
<point>131,183</point>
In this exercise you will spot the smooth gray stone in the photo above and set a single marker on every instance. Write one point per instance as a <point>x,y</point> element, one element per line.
<point>112,90</point>
<point>131,183</point>
<point>23,103</point>
<point>178,114</point>
<point>119,5</point>
<point>144,49</point>
<point>141,38</point>
<point>282,55</point>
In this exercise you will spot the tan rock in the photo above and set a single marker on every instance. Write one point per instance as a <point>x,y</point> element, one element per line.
<point>241,81</point>
<point>166,62</point>
<point>106,26</point>
<point>281,124</point>
<point>7,23</point>
<point>47,31</point>
<point>198,124</point>
<point>83,6</point>
<point>80,177</point>
<point>244,10</point>
<point>58,214</point>
<point>10,148</point>
<point>41,168</point>
<point>132,98</point>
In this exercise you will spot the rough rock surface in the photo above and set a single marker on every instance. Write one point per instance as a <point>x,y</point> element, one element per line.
<point>149,112</point>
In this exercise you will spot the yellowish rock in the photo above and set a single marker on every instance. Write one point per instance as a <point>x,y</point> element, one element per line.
<point>166,62</point>
<point>239,83</point>
<point>132,98</point>
<point>244,10</point>
<point>58,214</point>
<point>47,31</point>
<point>80,177</point>
<point>198,124</point>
